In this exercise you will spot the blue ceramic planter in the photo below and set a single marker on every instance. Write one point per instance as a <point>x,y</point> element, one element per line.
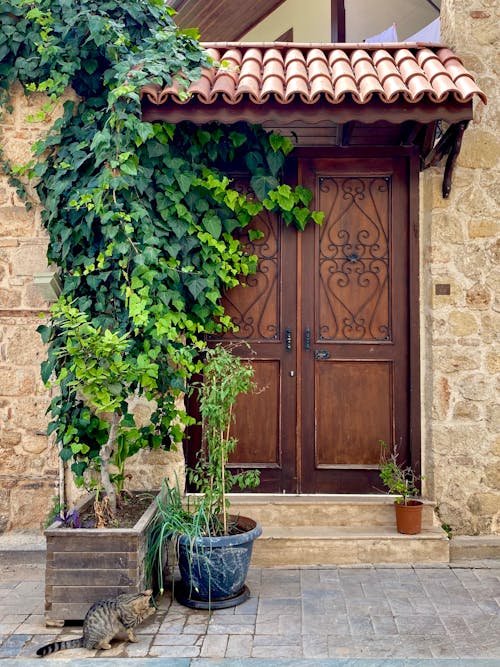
<point>213,569</point>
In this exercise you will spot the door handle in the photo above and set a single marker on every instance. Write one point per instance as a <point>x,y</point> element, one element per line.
<point>321,354</point>
<point>307,339</point>
<point>288,340</point>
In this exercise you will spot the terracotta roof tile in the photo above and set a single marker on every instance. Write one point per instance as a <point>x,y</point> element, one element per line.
<point>283,72</point>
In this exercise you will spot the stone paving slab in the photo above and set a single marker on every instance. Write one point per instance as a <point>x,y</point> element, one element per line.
<point>306,617</point>
<point>253,662</point>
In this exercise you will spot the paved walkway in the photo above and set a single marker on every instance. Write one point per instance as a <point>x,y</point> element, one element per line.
<point>325,616</point>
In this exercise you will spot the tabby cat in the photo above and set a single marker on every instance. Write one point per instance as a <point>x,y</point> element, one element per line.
<point>105,620</point>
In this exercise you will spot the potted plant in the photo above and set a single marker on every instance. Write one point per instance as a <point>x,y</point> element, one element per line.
<point>213,547</point>
<point>98,558</point>
<point>401,481</point>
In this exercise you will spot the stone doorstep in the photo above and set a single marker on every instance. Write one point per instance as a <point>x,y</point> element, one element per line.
<point>345,530</point>
<point>324,510</point>
<point>345,545</point>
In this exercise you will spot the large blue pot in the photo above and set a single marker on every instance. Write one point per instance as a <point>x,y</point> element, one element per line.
<point>213,569</point>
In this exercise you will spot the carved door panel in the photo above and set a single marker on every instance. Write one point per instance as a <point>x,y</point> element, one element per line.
<point>355,320</point>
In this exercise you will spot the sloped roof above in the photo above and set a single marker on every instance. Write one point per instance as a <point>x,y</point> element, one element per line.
<point>284,73</point>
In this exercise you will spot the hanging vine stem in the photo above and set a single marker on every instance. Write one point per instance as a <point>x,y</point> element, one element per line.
<point>144,241</point>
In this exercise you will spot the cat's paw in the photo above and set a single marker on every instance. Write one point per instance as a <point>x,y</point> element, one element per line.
<point>105,646</point>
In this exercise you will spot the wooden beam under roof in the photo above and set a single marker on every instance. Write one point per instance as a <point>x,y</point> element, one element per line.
<point>221,20</point>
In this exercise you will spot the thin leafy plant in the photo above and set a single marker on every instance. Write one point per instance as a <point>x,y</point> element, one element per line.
<point>206,514</point>
<point>400,480</point>
<point>225,377</point>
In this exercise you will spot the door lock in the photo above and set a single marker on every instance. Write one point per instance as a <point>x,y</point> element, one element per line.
<point>307,339</point>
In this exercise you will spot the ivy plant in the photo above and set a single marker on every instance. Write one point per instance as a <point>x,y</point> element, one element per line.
<point>142,217</point>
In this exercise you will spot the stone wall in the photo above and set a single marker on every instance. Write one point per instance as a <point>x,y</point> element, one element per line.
<point>460,330</point>
<point>28,463</point>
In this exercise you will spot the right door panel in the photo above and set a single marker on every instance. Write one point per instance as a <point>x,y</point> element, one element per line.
<point>355,319</point>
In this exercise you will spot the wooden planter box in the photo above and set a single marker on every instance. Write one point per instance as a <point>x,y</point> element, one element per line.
<point>89,564</point>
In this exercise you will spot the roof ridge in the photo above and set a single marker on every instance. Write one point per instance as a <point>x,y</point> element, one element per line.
<point>345,46</point>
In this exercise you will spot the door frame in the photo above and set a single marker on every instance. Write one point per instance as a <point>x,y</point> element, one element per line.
<point>411,159</point>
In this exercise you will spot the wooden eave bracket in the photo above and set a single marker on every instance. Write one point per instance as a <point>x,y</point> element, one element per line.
<point>450,145</point>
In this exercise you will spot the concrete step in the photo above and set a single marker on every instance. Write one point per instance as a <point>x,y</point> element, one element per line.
<point>26,548</point>
<point>475,547</point>
<point>337,530</point>
<point>323,510</point>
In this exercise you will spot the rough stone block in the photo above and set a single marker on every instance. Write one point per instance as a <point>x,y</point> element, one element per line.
<point>480,149</point>
<point>16,221</point>
<point>462,323</point>
<point>29,258</point>
<point>483,228</point>
<point>30,502</point>
<point>25,347</point>
<point>10,298</point>
<point>466,410</point>
<point>30,412</point>
<point>451,362</point>
<point>492,476</point>
<point>484,504</point>
<point>478,297</point>
<point>476,388</point>
<point>16,381</point>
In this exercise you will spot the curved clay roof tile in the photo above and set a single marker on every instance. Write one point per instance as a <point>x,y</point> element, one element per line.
<point>262,71</point>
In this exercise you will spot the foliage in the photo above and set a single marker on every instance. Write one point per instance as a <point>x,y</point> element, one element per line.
<point>400,480</point>
<point>100,369</point>
<point>142,217</point>
<point>67,518</point>
<point>225,377</point>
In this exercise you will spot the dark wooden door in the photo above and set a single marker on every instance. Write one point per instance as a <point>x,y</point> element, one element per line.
<point>327,319</point>
<point>354,296</point>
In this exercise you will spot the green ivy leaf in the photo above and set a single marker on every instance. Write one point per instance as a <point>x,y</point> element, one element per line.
<point>263,184</point>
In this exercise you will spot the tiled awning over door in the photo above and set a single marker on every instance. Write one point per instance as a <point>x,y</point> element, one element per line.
<point>384,78</point>
<point>333,94</point>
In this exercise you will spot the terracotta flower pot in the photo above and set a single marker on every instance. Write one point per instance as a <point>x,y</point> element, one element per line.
<point>409,517</point>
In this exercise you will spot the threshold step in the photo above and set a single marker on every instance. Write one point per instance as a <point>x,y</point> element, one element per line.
<point>324,510</point>
<point>347,545</point>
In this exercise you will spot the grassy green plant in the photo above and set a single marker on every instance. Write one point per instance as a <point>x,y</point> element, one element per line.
<point>175,516</point>
<point>399,479</point>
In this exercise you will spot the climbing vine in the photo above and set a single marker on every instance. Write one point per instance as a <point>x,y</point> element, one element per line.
<point>141,216</point>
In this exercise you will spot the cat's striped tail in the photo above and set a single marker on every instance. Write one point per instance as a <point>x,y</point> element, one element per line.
<point>60,646</point>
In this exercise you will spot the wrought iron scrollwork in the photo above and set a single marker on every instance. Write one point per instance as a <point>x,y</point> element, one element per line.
<point>354,259</point>
<point>254,305</point>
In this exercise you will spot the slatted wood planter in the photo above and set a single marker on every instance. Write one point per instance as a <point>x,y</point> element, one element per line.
<point>89,564</point>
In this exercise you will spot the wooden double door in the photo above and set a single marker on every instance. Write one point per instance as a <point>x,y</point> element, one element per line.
<point>327,318</point>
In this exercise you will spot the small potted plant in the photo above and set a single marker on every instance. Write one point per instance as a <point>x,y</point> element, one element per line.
<point>213,547</point>
<point>402,481</point>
